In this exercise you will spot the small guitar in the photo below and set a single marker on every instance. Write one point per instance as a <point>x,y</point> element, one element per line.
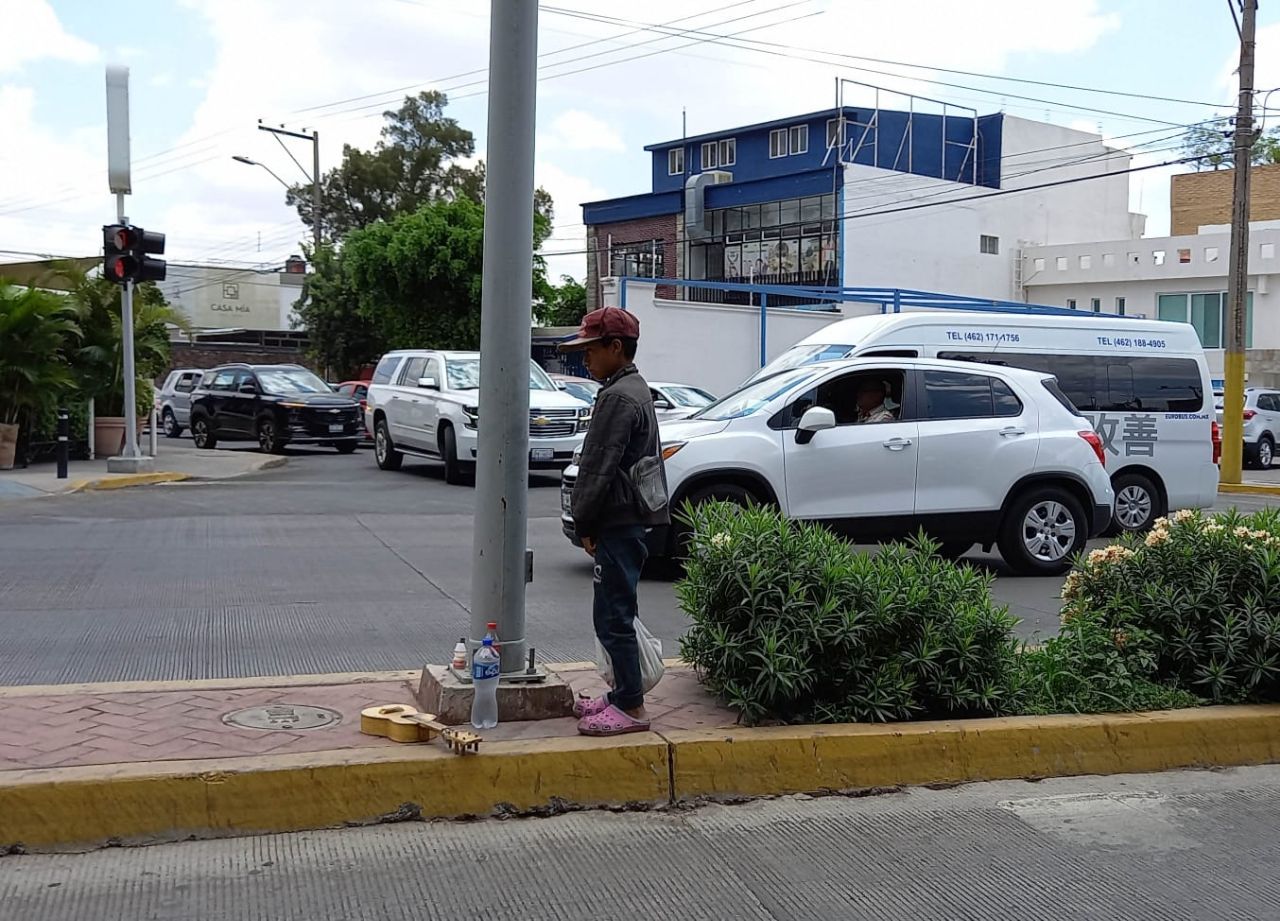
<point>402,723</point>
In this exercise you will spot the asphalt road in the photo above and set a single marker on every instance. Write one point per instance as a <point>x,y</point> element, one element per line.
<point>1186,846</point>
<point>325,565</point>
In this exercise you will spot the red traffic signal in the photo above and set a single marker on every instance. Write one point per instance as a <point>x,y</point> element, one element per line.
<point>126,254</point>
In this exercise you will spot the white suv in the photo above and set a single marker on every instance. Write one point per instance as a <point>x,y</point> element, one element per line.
<point>427,404</point>
<point>1261,424</point>
<point>973,454</point>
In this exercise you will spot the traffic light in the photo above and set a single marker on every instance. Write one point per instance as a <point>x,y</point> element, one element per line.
<point>127,251</point>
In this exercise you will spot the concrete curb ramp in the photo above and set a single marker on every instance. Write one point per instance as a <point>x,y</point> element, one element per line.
<point>142,803</point>
<point>125,480</point>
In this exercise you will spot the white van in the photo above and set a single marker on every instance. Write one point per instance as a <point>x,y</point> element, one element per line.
<point>1143,384</point>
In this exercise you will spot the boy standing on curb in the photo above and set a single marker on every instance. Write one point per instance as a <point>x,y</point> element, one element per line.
<point>619,495</point>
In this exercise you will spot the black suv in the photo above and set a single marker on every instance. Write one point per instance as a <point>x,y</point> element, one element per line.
<point>274,405</point>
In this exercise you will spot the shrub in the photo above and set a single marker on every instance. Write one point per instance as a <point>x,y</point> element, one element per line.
<point>1202,593</point>
<point>791,622</point>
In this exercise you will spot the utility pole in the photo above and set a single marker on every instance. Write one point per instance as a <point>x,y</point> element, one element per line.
<point>502,452</point>
<point>1238,280</point>
<point>314,138</point>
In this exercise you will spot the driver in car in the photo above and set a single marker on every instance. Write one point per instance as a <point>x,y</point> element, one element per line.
<point>871,402</point>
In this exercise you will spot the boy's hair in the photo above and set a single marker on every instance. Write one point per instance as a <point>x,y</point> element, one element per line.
<point>628,346</point>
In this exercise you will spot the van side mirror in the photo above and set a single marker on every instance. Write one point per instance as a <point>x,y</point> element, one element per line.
<point>428,383</point>
<point>815,420</point>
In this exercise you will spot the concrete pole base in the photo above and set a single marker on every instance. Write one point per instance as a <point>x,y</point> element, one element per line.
<point>440,692</point>
<point>124,464</point>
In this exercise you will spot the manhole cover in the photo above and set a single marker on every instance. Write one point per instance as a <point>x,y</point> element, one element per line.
<point>283,716</point>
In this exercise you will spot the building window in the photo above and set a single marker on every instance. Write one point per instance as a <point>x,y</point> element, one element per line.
<point>800,139</point>
<point>1119,306</point>
<point>835,132</point>
<point>1207,312</point>
<point>728,151</point>
<point>1134,258</point>
<point>1211,254</point>
<point>675,161</point>
<point>1158,257</point>
<point>1108,260</point>
<point>1086,262</point>
<point>777,143</point>
<point>1071,303</point>
<point>1061,263</point>
<point>989,244</point>
<point>1038,264</point>
<point>1184,256</point>
<point>1267,251</point>
<point>1096,304</point>
<point>644,259</point>
<point>719,153</point>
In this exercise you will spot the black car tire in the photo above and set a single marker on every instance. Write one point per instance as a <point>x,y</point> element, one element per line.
<point>268,437</point>
<point>346,447</point>
<point>171,427</point>
<point>1134,493</point>
<point>202,433</point>
<point>384,451</point>
<point>722,492</point>
<point>1264,454</point>
<point>1053,509</point>
<point>454,472</point>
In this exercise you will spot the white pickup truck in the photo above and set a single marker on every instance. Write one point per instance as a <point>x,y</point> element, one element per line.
<point>426,403</point>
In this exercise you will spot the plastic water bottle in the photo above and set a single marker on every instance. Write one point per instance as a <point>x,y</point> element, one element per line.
<point>486,666</point>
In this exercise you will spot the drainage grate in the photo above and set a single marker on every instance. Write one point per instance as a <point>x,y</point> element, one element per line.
<point>283,716</point>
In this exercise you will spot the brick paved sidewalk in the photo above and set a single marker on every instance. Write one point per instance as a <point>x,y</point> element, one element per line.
<point>166,721</point>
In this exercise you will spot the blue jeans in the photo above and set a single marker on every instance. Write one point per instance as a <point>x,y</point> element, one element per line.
<point>620,555</point>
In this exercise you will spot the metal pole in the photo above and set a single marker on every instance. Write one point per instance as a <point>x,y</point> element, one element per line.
<point>502,471</point>
<point>764,328</point>
<point>130,370</point>
<point>1238,279</point>
<point>152,426</point>
<point>93,442</point>
<point>64,433</point>
<point>315,190</point>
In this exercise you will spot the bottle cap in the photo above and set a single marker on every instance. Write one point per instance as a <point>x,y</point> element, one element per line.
<point>488,641</point>
<point>492,625</point>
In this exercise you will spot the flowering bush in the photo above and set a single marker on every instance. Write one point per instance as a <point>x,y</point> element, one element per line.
<point>1199,599</point>
<point>790,622</point>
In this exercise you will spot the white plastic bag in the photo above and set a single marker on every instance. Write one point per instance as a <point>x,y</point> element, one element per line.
<point>651,667</point>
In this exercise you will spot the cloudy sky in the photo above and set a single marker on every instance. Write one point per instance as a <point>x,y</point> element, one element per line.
<point>204,72</point>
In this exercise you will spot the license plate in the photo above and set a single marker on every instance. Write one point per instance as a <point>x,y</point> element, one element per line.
<point>542,454</point>
<point>335,427</point>
<point>566,500</point>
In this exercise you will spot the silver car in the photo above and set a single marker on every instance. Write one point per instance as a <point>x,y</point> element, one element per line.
<point>678,401</point>
<point>173,400</point>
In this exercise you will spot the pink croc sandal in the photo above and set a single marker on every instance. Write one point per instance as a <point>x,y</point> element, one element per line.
<point>611,722</point>
<point>590,706</point>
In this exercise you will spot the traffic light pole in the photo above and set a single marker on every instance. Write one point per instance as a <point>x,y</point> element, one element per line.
<point>131,459</point>
<point>502,454</point>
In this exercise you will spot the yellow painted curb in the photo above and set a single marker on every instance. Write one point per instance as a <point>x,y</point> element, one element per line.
<point>125,480</point>
<point>143,803</point>
<point>808,759</point>
<point>1250,489</point>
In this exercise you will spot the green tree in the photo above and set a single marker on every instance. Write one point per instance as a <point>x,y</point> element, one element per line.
<point>36,328</point>
<point>1211,143</point>
<point>566,304</point>
<point>342,339</point>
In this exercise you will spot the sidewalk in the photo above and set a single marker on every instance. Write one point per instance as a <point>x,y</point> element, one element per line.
<point>86,765</point>
<point>176,460</point>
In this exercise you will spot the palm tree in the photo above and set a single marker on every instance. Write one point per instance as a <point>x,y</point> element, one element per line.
<point>36,329</point>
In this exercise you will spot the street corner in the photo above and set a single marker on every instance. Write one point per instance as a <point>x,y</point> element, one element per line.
<point>127,480</point>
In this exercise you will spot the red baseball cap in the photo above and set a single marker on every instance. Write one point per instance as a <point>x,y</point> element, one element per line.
<point>605,323</point>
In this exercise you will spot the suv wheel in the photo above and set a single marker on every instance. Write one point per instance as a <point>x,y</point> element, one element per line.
<point>1137,503</point>
<point>454,473</point>
<point>171,427</point>
<point>384,451</point>
<point>202,433</point>
<point>269,438</point>
<point>1265,453</point>
<point>1043,530</point>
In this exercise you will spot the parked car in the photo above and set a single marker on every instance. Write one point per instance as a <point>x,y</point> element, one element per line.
<point>358,391</point>
<point>275,405</point>
<point>971,453</point>
<point>426,404</point>
<point>583,388</point>
<point>173,399</point>
<point>678,401</point>
<point>1261,424</point>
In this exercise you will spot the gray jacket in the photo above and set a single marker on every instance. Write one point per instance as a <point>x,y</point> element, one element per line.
<point>623,430</point>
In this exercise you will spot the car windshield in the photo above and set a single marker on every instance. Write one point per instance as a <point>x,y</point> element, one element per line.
<point>689,396</point>
<point>291,380</point>
<point>754,397</point>
<point>582,390</point>
<point>464,374</point>
<point>799,355</point>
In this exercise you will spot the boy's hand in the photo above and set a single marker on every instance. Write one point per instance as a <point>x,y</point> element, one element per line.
<point>589,545</point>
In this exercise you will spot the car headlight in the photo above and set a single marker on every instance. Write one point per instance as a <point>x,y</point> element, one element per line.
<point>671,449</point>
<point>472,414</point>
<point>584,418</point>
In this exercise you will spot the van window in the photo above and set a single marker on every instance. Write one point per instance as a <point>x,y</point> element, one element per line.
<point>891,353</point>
<point>386,367</point>
<point>1111,383</point>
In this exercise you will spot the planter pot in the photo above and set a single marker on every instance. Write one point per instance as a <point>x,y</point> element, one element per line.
<point>8,445</point>
<point>108,435</point>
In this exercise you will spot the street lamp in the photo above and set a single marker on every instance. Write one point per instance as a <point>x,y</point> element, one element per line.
<point>247,161</point>
<point>313,178</point>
